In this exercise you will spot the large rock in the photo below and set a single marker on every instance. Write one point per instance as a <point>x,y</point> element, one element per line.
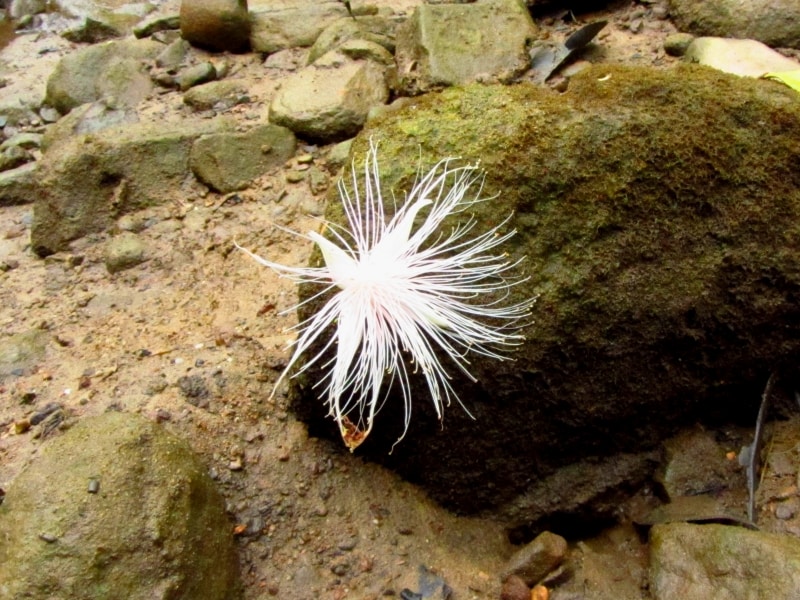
<point>119,16</point>
<point>747,58</point>
<point>277,27</point>
<point>697,562</point>
<point>91,179</point>
<point>114,71</point>
<point>116,508</point>
<point>453,44</point>
<point>230,161</point>
<point>774,22</point>
<point>216,24</point>
<point>658,212</point>
<point>330,99</point>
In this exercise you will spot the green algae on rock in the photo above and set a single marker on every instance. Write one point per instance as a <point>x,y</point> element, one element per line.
<point>659,214</point>
<point>116,508</point>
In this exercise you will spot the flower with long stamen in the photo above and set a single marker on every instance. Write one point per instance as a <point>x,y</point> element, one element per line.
<point>402,291</point>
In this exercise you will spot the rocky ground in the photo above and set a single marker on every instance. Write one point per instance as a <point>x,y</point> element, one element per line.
<point>195,337</point>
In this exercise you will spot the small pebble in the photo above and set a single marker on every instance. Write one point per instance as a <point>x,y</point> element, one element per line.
<point>784,512</point>
<point>515,589</point>
<point>540,593</point>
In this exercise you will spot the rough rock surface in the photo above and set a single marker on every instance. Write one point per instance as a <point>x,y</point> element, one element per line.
<point>275,28</point>
<point>378,29</point>
<point>216,24</point>
<point>452,44</point>
<point>664,262</point>
<point>696,562</point>
<point>18,186</point>
<point>154,525</point>
<point>226,92</point>
<point>230,161</point>
<point>330,99</point>
<point>774,22</point>
<point>119,16</point>
<point>91,179</point>
<point>110,70</point>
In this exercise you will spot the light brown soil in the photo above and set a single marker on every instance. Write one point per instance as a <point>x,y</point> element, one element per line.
<point>312,521</point>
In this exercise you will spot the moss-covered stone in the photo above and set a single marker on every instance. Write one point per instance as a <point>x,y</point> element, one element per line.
<point>116,508</point>
<point>659,216</point>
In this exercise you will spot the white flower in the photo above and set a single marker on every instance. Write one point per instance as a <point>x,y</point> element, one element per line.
<point>404,291</point>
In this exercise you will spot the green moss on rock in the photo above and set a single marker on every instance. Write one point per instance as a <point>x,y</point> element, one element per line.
<point>658,212</point>
<point>155,528</point>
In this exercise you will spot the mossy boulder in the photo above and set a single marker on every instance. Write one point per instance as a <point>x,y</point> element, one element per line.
<point>658,212</point>
<point>116,508</point>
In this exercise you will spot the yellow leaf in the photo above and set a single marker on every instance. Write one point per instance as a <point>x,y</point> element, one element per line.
<point>790,78</point>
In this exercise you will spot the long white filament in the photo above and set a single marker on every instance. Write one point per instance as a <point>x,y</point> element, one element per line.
<point>403,292</point>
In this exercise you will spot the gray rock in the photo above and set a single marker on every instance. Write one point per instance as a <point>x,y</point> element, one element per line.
<point>452,44</point>
<point>90,180</point>
<point>278,28</point>
<point>695,464</point>
<point>740,57</point>
<point>656,211</point>
<point>19,185</point>
<point>773,22</point>
<point>215,24</point>
<point>173,55</point>
<point>697,562</point>
<point>21,352</point>
<point>21,8</point>
<point>162,23</point>
<point>536,559</point>
<point>230,161</point>
<point>110,70</point>
<point>49,114</point>
<point>124,251</point>
<point>378,29</point>
<point>227,93</point>
<point>87,118</point>
<point>117,15</point>
<point>155,527</point>
<point>92,31</point>
<point>196,75</point>
<point>330,99</point>
<point>359,49</point>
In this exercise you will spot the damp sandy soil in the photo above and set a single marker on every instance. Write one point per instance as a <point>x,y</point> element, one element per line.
<point>196,337</point>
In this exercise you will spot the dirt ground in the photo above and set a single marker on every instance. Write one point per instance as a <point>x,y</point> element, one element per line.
<point>195,338</point>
